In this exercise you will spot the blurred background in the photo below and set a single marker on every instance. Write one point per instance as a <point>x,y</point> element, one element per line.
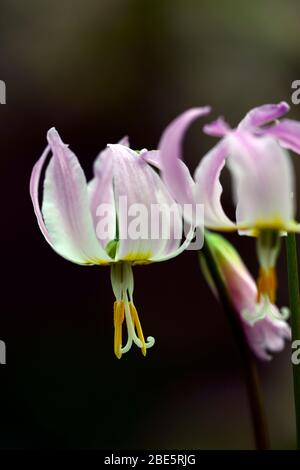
<point>98,70</point>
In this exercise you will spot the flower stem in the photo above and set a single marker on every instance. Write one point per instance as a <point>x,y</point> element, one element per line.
<point>293,279</point>
<point>249,367</point>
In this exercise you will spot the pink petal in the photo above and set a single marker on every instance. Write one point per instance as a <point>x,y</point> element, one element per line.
<point>152,157</point>
<point>124,141</point>
<point>267,335</point>
<point>263,180</point>
<point>263,114</point>
<point>173,248</point>
<point>172,254</point>
<point>256,339</point>
<point>65,207</point>
<point>101,196</point>
<point>217,128</point>
<point>209,189</point>
<point>288,134</point>
<point>170,147</point>
<point>34,192</point>
<point>137,183</point>
<point>174,225</point>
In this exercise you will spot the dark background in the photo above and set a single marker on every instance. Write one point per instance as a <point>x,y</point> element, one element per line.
<point>98,70</point>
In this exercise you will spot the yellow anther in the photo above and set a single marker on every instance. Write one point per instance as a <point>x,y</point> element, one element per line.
<point>118,321</point>
<point>137,324</point>
<point>267,284</point>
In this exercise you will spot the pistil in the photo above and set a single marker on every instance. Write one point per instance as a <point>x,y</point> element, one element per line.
<point>124,308</point>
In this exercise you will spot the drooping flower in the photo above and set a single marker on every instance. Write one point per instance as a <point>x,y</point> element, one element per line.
<point>91,223</point>
<point>263,182</point>
<point>264,335</point>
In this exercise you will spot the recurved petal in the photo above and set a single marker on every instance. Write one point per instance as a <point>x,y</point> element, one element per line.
<point>65,207</point>
<point>263,181</point>
<point>124,141</point>
<point>34,192</point>
<point>168,219</point>
<point>170,148</point>
<point>217,128</point>
<point>208,188</point>
<point>263,114</point>
<point>287,132</point>
<point>177,212</point>
<point>152,157</point>
<point>180,249</point>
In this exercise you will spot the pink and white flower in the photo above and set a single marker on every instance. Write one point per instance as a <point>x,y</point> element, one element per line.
<point>263,180</point>
<point>70,215</point>
<point>264,336</point>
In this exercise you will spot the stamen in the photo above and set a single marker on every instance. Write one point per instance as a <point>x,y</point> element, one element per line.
<point>267,284</point>
<point>118,321</point>
<point>258,313</point>
<point>122,282</point>
<point>284,313</point>
<point>265,309</point>
<point>137,323</point>
<point>131,326</point>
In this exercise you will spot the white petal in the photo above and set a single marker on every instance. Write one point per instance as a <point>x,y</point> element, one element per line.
<point>209,189</point>
<point>65,207</point>
<point>101,198</point>
<point>263,180</point>
<point>136,188</point>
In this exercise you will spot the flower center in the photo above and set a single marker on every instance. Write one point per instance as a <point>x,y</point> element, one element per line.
<point>124,309</point>
<point>268,245</point>
<point>267,284</point>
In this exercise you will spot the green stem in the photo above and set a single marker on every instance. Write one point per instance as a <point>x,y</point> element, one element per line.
<point>293,278</point>
<point>249,367</point>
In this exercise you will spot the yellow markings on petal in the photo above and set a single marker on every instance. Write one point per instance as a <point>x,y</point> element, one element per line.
<point>119,310</point>
<point>275,223</point>
<point>293,227</point>
<point>255,227</point>
<point>96,261</point>
<point>267,284</point>
<point>137,325</point>
<point>138,257</point>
